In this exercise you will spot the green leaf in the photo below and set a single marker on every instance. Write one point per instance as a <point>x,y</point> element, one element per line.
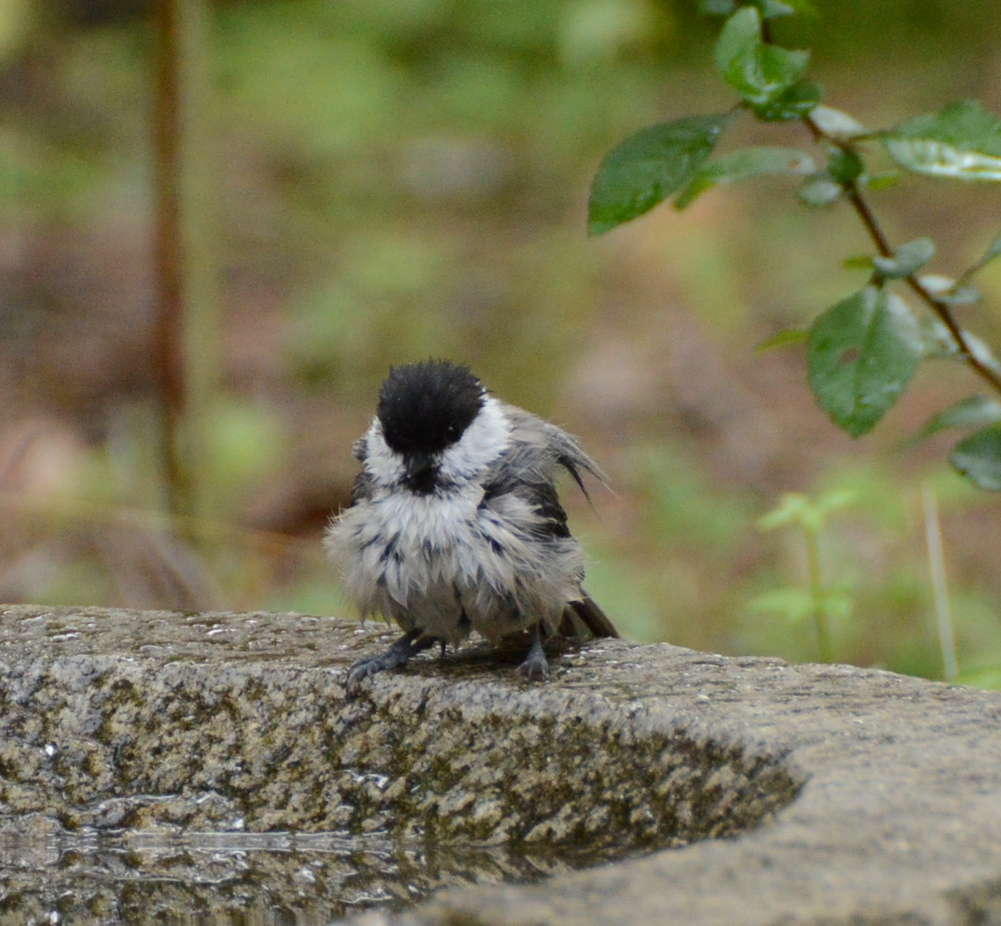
<point>937,342</point>
<point>936,284</point>
<point>881,181</point>
<point>962,295</point>
<point>791,509</point>
<point>858,262</point>
<point>820,190</point>
<point>810,514</point>
<point>962,142</point>
<point>973,412</point>
<point>835,500</point>
<point>739,37</point>
<point>794,102</point>
<point>940,344</point>
<point>648,167</point>
<point>784,338</point>
<point>743,165</point>
<point>836,124</point>
<point>982,352</point>
<point>906,259</point>
<point>863,352</point>
<point>978,458</point>
<point>758,72</point>
<point>845,166</point>
<point>795,605</point>
<point>772,71</point>
<point>950,291</point>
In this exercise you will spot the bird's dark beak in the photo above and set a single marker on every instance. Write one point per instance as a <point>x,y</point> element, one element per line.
<point>421,472</point>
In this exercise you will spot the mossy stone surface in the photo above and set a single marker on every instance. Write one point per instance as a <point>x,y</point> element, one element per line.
<point>714,790</point>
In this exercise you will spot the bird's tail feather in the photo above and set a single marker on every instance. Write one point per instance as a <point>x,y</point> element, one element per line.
<point>583,619</point>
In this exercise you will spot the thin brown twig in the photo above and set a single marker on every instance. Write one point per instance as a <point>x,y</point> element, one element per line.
<point>168,350</point>
<point>879,238</point>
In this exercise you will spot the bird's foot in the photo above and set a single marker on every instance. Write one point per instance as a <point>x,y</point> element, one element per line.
<point>535,668</point>
<point>410,644</point>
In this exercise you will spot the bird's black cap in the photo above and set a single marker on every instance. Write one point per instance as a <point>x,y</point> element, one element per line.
<point>425,407</point>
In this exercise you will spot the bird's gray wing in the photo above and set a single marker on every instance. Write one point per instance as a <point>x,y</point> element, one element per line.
<point>518,479</point>
<point>537,449</point>
<point>547,446</point>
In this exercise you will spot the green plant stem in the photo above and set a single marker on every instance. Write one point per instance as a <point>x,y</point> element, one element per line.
<point>940,588</point>
<point>818,596</point>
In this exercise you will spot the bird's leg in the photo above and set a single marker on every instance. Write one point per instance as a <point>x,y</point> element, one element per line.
<point>535,667</point>
<point>410,644</point>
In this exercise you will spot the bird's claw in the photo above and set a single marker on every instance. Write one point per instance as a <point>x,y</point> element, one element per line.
<point>535,668</point>
<point>411,643</point>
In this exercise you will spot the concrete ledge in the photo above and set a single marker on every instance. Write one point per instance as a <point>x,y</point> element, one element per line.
<point>845,795</point>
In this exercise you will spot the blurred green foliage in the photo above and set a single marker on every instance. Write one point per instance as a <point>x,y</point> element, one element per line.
<point>398,178</point>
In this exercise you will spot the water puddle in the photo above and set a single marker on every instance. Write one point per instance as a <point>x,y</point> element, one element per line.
<point>235,878</point>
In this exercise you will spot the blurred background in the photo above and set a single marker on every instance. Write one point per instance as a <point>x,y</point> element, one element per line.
<point>387,180</point>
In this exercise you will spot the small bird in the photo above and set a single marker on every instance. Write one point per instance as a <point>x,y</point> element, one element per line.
<point>455,524</point>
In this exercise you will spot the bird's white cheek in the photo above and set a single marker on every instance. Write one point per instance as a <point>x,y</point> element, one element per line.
<point>483,441</point>
<point>380,461</point>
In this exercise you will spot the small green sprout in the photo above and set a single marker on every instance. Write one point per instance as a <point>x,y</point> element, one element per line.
<point>795,604</point>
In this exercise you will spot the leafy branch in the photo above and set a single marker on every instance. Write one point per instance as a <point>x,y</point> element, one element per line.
<point>923,249</point>
<point>863,351</point>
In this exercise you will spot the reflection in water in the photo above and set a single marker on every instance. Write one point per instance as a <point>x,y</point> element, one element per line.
<point>139,877</point>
